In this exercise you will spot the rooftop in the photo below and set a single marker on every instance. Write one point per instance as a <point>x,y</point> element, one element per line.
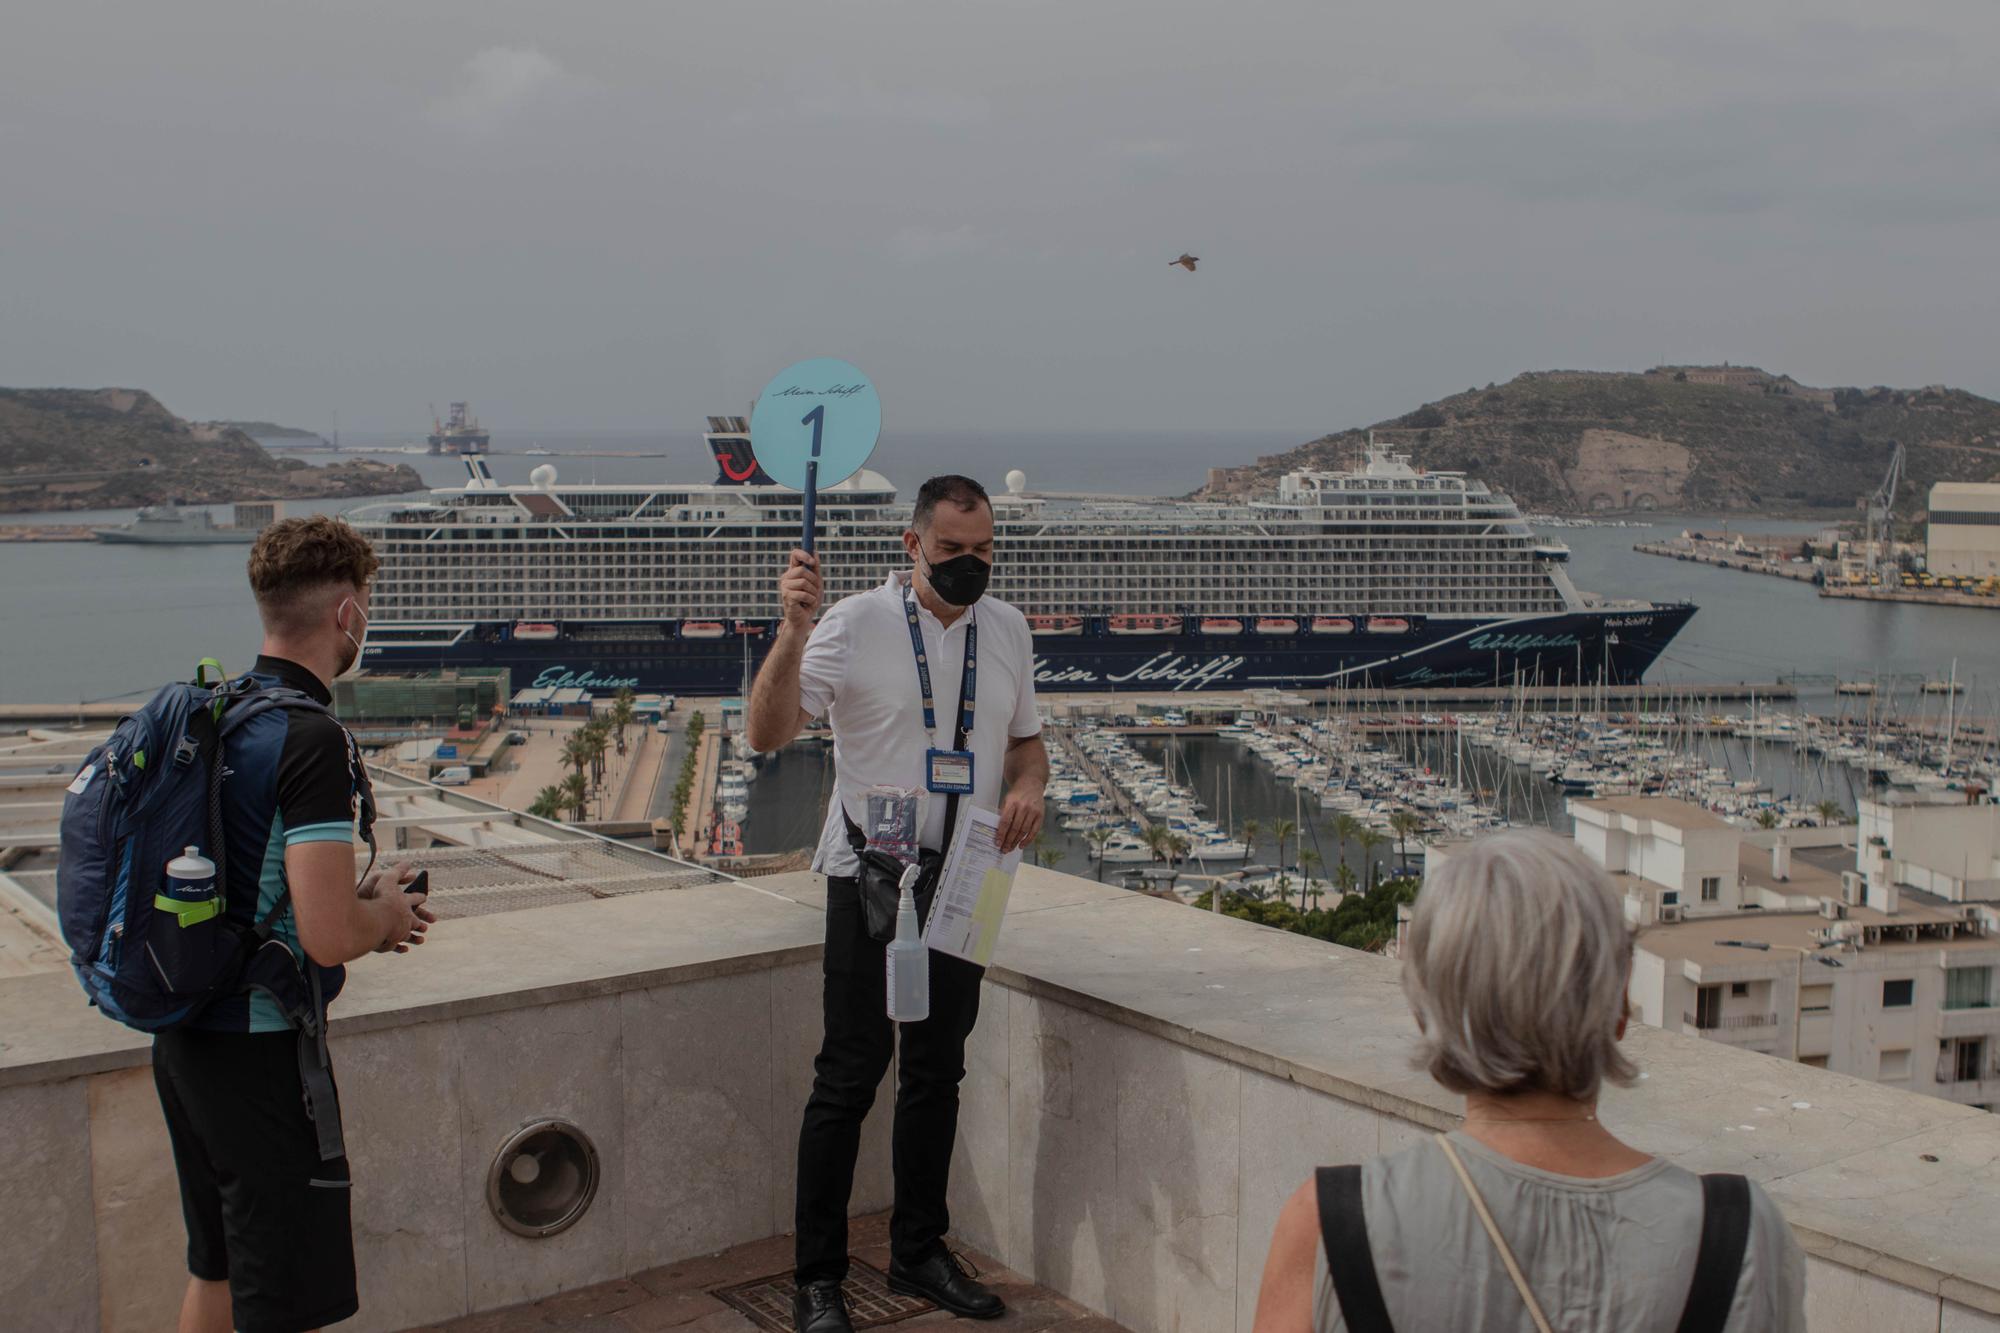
<point>1658,809</point>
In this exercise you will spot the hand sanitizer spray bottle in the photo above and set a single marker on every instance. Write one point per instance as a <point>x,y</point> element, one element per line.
<point>909,960</point>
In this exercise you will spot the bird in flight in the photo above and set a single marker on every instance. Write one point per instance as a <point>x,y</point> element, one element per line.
<point>1186,261</point>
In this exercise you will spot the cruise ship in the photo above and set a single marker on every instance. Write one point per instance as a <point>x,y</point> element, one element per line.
<point>1380,575</point>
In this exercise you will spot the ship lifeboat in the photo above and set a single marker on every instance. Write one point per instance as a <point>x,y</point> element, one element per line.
<point>1148,624</point>
<point>749,629</point>
<point>1332,625</point>
<point>701,629</point>
<point>1221,625</point>
<point>1055,624</point>
<point>527,629</point>
<point>1388,625</point>
<point>1277,625</point>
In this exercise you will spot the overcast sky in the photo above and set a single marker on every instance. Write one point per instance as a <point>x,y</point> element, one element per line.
<point>630,213</point>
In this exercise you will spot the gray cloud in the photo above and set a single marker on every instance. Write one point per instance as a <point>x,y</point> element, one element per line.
<point>631,214</point>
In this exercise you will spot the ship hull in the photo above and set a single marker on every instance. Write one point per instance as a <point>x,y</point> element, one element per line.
<point>1614,647</point>
<point>193,537</point>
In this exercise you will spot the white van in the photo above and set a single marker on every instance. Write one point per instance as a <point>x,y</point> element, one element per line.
<point>455,776</point>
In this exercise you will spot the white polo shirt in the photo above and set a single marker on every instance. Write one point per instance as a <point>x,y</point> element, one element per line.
<point>859,666</point>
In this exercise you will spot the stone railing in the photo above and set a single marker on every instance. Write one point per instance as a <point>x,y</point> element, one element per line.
<point>1145,1085</point>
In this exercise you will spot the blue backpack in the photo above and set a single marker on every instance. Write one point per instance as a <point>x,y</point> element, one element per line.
<point>152,789</point>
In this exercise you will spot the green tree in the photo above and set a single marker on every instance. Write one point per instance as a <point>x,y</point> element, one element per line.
<point>1767,818</point>
<point>576,791</point>
<point>1405,824</point>
<point>1343,878</point>
<point>576,751</point>
<point>1156,838</point>
<point>1097,837</point>
<point>1282,830</point>
<point>1346,829</point>
<point>548,803</point>
<point>622,712</point>
<point>1043,852</point>
<point>1309,861</point>
<point>1251,830</point>
<point>1371,841</point>
<point>1829,812</point>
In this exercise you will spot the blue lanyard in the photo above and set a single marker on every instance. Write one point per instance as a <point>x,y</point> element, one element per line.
<point>967,686</point>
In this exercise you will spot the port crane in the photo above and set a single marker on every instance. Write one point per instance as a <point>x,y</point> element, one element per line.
<point>1882,519</point>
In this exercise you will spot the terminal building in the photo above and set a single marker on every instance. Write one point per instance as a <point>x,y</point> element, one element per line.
<point>1870,950</point>
<point>1963,539</point>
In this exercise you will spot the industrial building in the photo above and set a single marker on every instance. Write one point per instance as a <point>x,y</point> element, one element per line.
<point>1963,540</point>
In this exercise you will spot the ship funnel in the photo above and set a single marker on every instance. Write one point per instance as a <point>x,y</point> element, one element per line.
<point>543,477</point>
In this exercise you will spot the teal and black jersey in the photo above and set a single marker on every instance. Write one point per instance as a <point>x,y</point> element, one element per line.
<point>292,777</point>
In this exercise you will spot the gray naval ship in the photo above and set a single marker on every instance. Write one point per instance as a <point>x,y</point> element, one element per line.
<point>191,525</point>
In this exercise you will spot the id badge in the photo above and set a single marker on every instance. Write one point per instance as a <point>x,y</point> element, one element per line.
<point>948,771</point>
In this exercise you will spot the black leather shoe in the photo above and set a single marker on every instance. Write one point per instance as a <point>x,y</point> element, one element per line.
<point>820,1307</point>
<point>945,1281</point>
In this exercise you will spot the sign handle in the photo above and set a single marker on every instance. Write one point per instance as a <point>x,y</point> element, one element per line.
<point>812,498</point>
<point>817,420</point>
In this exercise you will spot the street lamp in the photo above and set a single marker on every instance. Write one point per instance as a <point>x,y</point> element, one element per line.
<point>1798,975</point>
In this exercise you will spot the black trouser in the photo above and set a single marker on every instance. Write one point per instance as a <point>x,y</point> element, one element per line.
<point>853,1056</point>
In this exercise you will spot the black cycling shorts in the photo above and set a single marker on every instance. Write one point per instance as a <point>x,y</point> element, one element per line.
<point>263,1212</point>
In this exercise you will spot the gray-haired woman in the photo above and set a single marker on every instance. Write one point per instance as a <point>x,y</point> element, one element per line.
<point>1532,1216</point>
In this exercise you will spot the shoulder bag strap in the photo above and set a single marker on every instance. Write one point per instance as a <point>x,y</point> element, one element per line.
<point>1343,1232</point>
<point>1725,1233</point>
<point>1499,1241</point>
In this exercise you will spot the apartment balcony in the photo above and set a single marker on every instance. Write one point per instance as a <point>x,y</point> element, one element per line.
<point>1145,1086</point>
<point>1982,1021</point>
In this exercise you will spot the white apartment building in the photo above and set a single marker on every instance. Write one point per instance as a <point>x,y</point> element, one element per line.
<point>1871,951</point>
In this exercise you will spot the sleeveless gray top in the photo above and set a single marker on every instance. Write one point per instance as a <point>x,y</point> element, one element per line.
<point>1600,1255</point>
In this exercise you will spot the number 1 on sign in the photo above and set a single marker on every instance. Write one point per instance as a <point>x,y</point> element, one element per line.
<point>816,419</point>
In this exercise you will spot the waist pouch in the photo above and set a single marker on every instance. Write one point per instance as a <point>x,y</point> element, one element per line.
<point>880,878</point>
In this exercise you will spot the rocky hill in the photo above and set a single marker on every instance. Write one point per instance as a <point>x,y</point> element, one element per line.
<point>114,448</point>
<point>1701,439</point>
<point>270,430</point>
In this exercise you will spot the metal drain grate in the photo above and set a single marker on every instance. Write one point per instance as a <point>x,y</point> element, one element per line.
<point>767,1301</point>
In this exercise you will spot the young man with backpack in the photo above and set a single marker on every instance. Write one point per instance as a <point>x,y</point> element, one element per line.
<point>255,777</point>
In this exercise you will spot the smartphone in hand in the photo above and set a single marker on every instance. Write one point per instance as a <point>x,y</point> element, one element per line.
<point>421,884</point>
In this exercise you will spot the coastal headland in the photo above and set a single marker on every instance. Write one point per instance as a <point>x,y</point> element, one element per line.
<point>63,449</point>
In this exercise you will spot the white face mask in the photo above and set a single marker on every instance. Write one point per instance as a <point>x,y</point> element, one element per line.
<point>347,602</point>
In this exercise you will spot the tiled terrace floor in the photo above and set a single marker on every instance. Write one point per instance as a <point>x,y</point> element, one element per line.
<point>677,1297</point>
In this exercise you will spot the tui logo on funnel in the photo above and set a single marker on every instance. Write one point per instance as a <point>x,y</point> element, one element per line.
<point>735,464</point>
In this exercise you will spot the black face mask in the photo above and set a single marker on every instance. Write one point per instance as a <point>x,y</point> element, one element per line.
<point>960,580</point>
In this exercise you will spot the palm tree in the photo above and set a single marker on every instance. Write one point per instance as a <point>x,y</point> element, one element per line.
<point>622,712</point>
<point>1155,837</point>
<point>1043,852</point>
<point>1097,837</point>
<point>548,803</point>
<point>1343,878</point>
<point>1282,830</point>
<point>1403,824</point>
<point>576,751</point>
<point>1370,840</point>
<point>575,790</point>
<point>1767,818</point>
<point>1251,828</point>
<point>1177,846</point>
<point>1829,812</point>
<point>1308,862</point>
<point>1346,829</point>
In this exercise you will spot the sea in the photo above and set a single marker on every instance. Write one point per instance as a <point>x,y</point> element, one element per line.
<point>82,621</point>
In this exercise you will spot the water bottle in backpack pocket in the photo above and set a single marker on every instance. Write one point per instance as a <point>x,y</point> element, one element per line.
<point>188,941</point>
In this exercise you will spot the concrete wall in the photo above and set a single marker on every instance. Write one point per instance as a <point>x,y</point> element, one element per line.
<point>1145,1086</point>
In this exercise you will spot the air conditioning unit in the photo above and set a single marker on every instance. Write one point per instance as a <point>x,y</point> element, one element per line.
<point>1670,912</point>
<point>1832,909</point>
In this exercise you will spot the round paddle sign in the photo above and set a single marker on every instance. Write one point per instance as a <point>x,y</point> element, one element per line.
<point>822,411</point>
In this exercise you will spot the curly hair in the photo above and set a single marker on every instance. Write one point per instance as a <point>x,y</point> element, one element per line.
<point>295,558</point>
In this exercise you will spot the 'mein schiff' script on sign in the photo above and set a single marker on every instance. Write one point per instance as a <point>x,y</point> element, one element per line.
<point>831,391</point>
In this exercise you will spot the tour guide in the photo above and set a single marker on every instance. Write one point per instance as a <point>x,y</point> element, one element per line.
<point>905,720</point>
